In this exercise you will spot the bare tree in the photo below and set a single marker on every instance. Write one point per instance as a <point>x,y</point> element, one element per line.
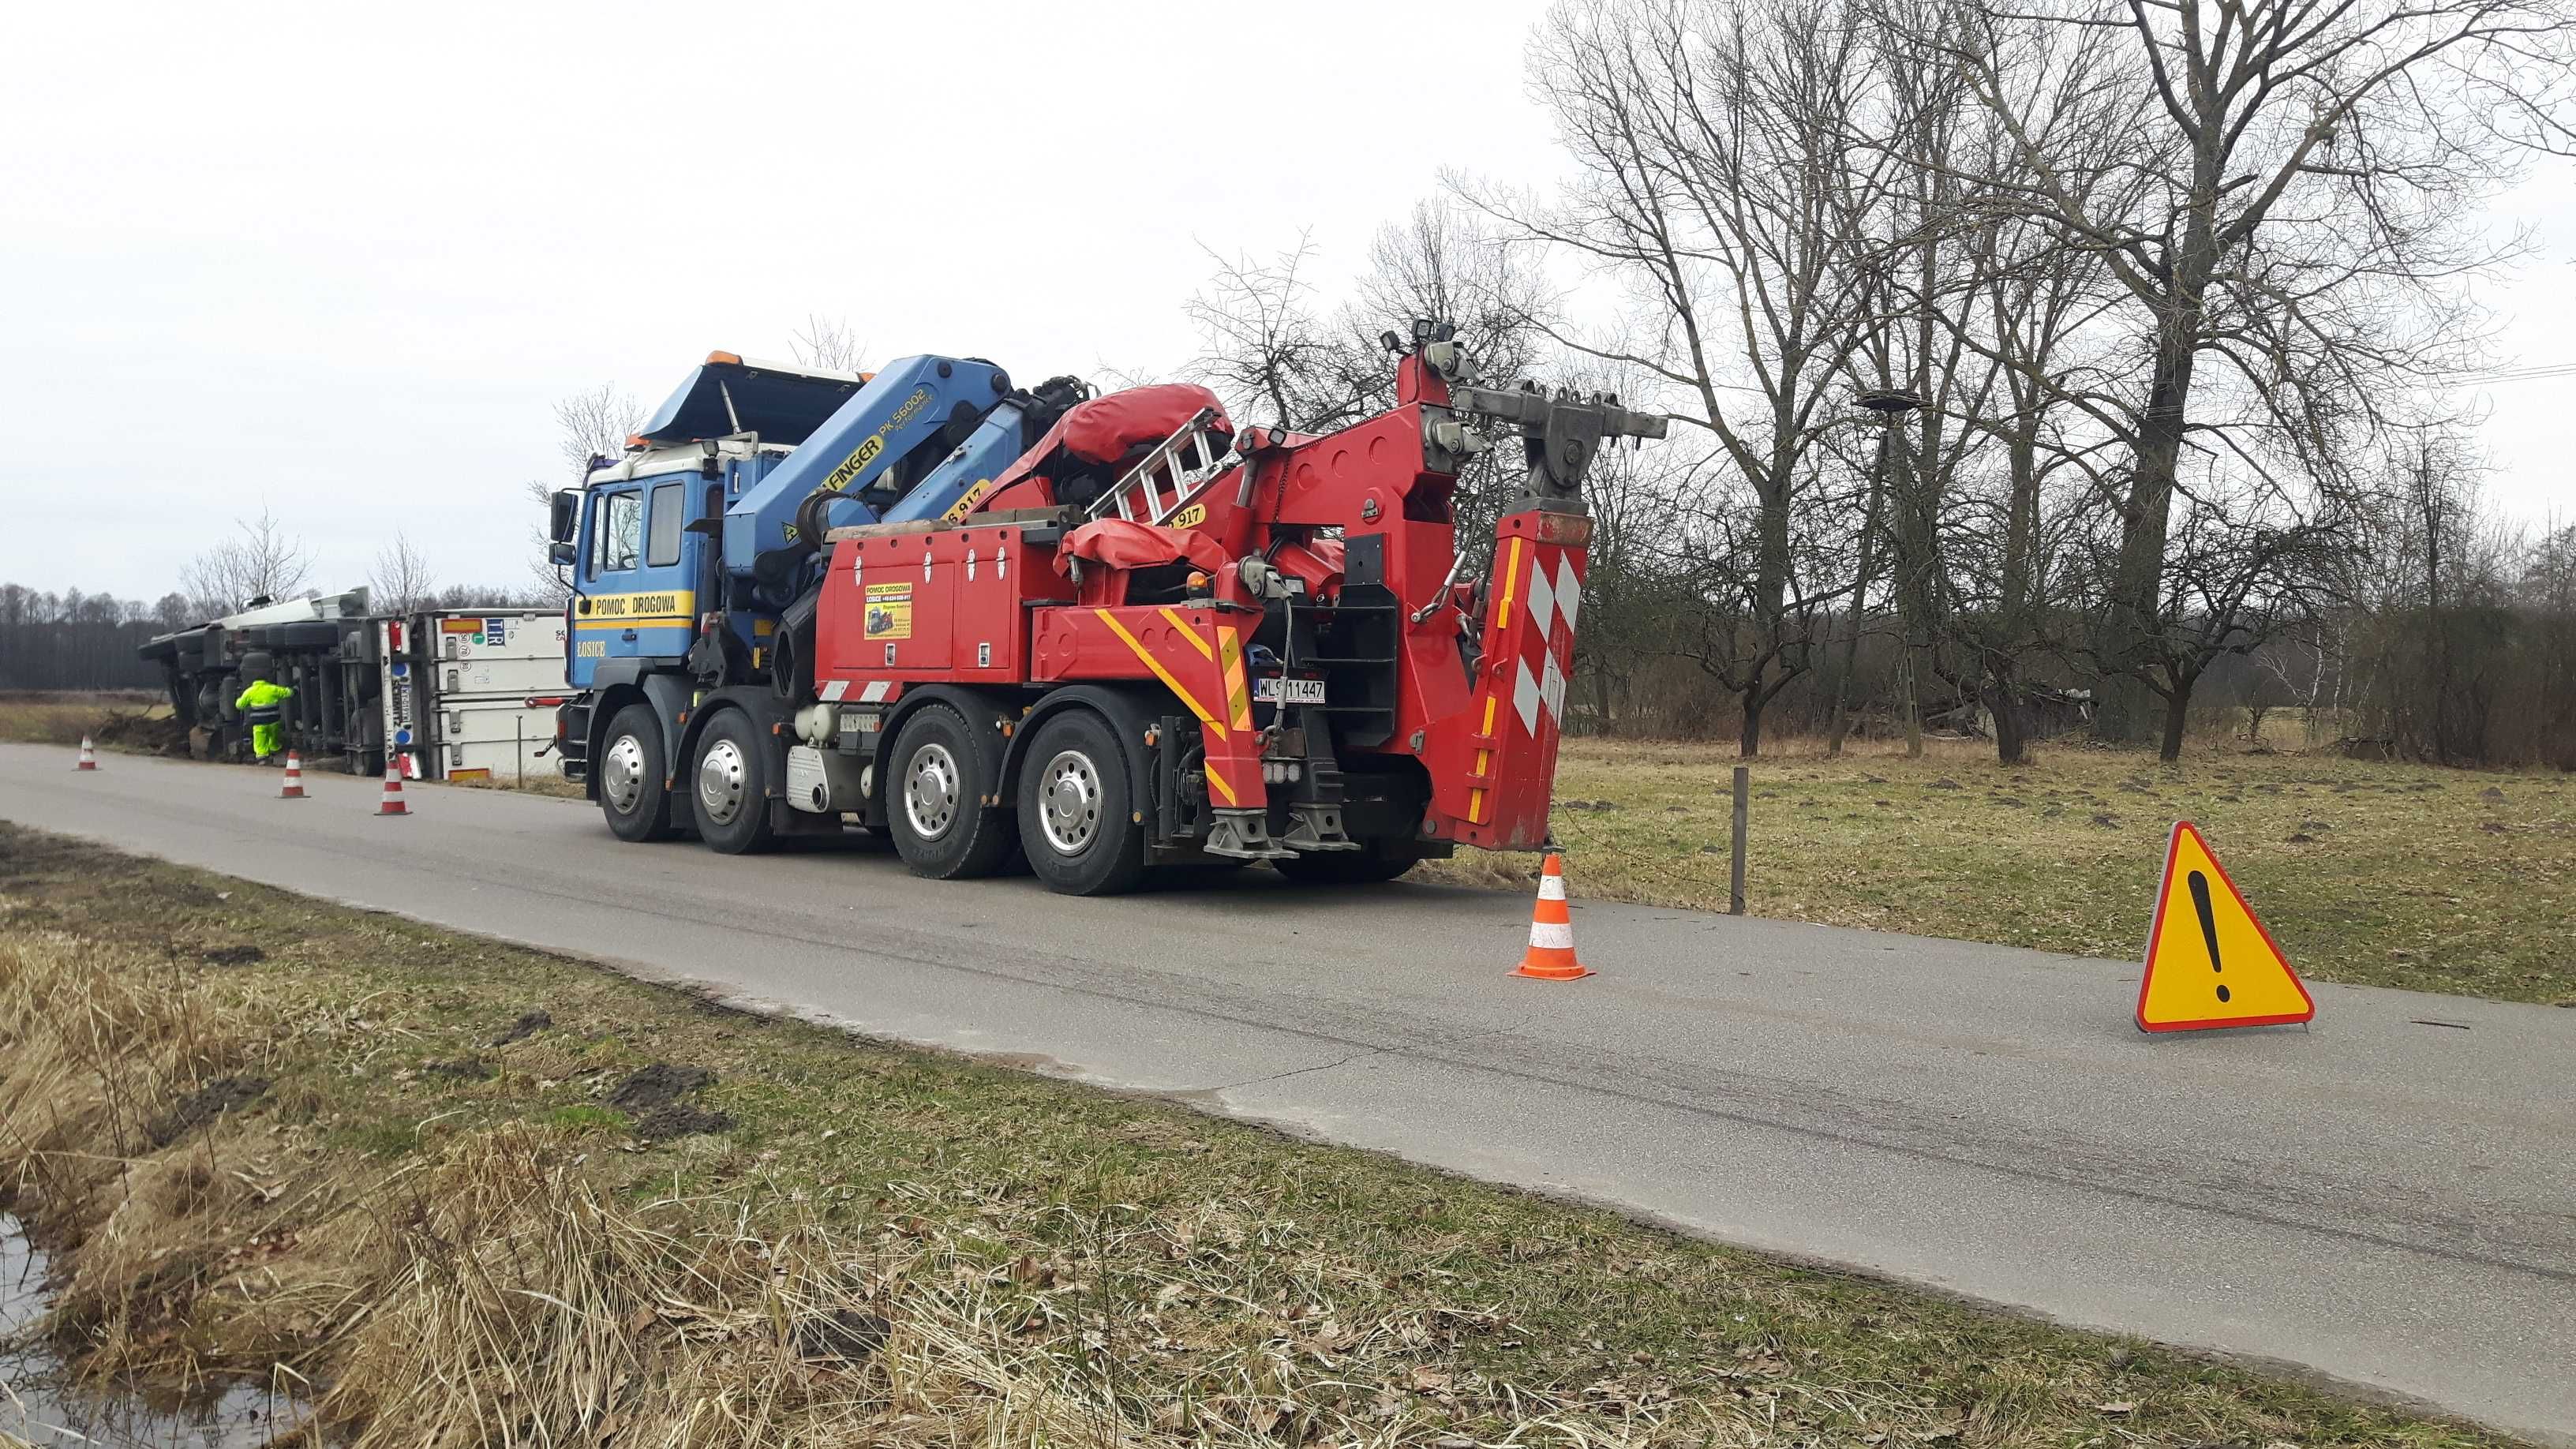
<point>596,424</point>
<point>2442,587</point>
<point>1446,263</point>
<point>2243,565</point>
<point>401,580</point>
<point>262,562</point>
<point>2294,186</point>
<point>829,343</point>
<point>1271,353</point>
<point>1714,182</point>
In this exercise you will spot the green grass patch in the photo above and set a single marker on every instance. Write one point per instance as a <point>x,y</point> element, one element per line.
<point>2378,874</point>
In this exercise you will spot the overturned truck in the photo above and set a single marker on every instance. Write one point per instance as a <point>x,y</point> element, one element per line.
<point>445,694</point>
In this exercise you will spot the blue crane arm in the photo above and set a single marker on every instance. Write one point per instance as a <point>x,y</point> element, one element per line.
<point>951,490</point>
<point>865,452</point>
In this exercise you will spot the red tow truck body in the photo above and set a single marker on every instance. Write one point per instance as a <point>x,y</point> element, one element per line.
<point>1295,600</point>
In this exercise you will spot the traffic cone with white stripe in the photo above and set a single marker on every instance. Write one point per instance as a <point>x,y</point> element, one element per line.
<point>292,788</point>
<point>88,756</point>
<point>393,801</point>
<point>1551,944</point>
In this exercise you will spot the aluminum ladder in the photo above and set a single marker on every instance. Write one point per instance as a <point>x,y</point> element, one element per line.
<point>1172,477</point>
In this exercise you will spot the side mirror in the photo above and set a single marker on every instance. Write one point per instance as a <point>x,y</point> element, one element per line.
<point>561,553</point>
<point>563,517</point>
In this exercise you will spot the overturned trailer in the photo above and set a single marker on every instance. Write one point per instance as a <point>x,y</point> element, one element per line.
<point>448,694</point>
<point>299,644</point>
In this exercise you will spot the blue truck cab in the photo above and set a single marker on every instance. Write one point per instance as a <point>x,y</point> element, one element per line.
<point>696,558</point>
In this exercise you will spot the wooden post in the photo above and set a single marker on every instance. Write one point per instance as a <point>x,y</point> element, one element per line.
<point>1735,872</point>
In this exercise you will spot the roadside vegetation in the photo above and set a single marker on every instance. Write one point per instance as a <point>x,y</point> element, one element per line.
<point>2379,874</point>
<point>457,1193</point>
<point>47,717</point>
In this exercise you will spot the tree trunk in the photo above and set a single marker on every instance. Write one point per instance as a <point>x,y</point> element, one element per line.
<point>1907,702</point>
<point>1917,579</point>
<point>1841,725</point>
<point>2020,583</point>
<point>2177,708</point>
<point>2129,625</point>
<point>2012,742</point>
<point>1770,591</point>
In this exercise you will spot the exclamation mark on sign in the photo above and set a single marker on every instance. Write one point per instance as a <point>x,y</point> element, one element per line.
<point>2208,924</point>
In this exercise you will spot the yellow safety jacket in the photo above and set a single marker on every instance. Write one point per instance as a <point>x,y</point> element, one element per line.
<point>259,703</point>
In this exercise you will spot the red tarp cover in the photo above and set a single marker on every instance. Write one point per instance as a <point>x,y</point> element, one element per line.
<point>1103,429</point>
<point>1122,544</point>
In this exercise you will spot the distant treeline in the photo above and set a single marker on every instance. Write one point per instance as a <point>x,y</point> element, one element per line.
<point>76,640</point>
<point>84,641</point>
<point>85,656</point>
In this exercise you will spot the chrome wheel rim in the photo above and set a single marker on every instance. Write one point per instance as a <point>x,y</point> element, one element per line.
<point>930,791</point>
<point>1069,802</point>
<point>621,775</point>
<point>720,780</point>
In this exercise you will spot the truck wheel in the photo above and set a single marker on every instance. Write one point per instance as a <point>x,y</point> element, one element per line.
<point>729,786</point>
<point>934,793</point>
<point>1376,860</point>
<point>631,774</point>
<point>1077,814</point>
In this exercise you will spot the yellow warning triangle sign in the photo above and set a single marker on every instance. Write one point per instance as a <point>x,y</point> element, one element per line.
<point>2209,962</point>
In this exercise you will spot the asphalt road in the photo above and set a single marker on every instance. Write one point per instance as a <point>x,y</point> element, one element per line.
<point>2387,1198</point>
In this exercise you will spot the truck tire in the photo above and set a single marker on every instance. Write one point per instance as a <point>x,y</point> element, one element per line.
<point>729,786</point>
<point>631,772</point>
<point>1078,822</point>
<point>936,782</point>
<point>1375,861</point>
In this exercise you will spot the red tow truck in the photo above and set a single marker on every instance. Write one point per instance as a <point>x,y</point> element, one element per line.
<point>1154,640</point>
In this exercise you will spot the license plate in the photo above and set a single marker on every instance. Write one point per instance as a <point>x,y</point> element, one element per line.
<point>1288,691</point>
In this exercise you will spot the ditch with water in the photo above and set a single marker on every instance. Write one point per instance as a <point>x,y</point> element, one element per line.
<point>42,1403</point>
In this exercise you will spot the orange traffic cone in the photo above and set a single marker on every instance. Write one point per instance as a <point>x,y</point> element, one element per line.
<point>293,787</point>
<point>1551,946</point>
<point>88,756</point>
<point>393,801</point>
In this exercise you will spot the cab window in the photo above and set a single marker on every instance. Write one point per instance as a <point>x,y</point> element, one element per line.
<point>621,530</point>
<point>670,505</point>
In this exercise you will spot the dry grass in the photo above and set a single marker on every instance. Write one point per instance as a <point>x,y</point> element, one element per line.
<point>53,718</point>
<point>2384,874</point>
<point>458,1240</point>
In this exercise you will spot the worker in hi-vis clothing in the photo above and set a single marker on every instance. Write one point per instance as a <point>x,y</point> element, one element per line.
<point>259,706</point>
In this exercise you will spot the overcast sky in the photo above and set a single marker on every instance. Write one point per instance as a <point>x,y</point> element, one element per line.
<point>340,262</point>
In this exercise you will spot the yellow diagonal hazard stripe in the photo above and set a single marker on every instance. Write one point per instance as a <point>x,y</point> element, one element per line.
<point>1238,699</point>
<point>1211,721</point>
<point>1182,627</point>
<point>1217,782</point>
<point>1511,581</point>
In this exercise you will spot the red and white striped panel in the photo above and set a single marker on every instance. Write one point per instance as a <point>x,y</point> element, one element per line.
<point>1553,593</point>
